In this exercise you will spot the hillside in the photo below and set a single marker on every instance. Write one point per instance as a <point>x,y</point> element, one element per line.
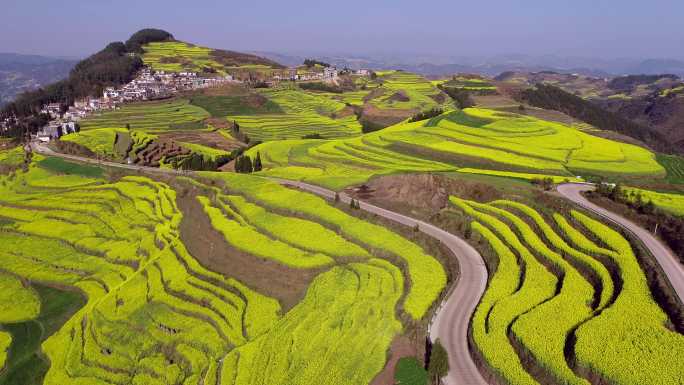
<point>476,140</point>
<point>177,56</point>
<point>118,63</point>
<point>216,218</point>
<point>164,308</point>
<point>649,108</point>
<point>19,73</point>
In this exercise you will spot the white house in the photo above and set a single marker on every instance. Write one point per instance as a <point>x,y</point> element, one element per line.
<point>330,72</point>
<point>110,93</point>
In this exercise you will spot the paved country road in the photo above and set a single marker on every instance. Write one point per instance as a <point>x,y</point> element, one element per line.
<point>452,319</point>
<point>665,257</point>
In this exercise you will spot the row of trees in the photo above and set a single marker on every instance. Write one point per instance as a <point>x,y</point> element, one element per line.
<point>426,114</point>
<point>312,63</point>
<point>670,227</point>
<point>460,96</point>
<point>244,164</point>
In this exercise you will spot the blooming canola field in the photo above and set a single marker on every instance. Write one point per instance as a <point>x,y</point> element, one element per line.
<point>155,315</point>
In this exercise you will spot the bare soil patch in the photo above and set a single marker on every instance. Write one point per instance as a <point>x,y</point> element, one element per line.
<point>401,347</point>
<point>220,123</point>
<point>206,244</point>
<point>399,96</point>
<point>384,117</point>
<point>157,150</point>
<point>422,194</point>
<point>224,90</point>
<point>209,139</point>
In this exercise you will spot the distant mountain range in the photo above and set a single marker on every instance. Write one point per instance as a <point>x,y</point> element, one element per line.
<point>19,73</point>
<point>439,65</point>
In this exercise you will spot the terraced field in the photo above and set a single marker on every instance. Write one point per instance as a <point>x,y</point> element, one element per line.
<point>581,280</point>
<point>100,141</point>
<point>405,90</point>
<point>156,315</point>
<point>177,114</point>
<point>471,139</point>
<point>669,202</point>
<point>177,56</point>
<point>675,167</point>
<point>470,84</point>
<point>298,114</point>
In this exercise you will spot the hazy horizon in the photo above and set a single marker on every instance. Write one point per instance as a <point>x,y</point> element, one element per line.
<point>608,30</point>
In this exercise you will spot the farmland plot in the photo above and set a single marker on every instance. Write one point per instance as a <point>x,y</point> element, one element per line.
<point>600,319</point>
<point>473,139</point>
<point>155,315</point>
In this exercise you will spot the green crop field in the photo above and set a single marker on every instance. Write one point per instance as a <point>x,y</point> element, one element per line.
<point>404,90</point>
<point>17,303</point>
<point>669,202</point>
<point>177,56</point>
<point>284,113</point>
<point>674,165</point>
<point>496,143</point>
<point>5,341</point>
<point>155,315</point>
<point>100,141</point>
<point>150,117</point>
<point>552,274</point>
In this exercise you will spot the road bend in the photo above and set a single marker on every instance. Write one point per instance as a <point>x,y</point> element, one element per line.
<point>451,321</point>
<point>665,257</point>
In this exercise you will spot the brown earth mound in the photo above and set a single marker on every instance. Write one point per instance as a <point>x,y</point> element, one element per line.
<point>399,96</point>
<point>376,93</point>
<point>439,98</point>
<point>255,100</point>
<point>210,139</point>
<point>423,192</point>
<point>157,150</point>
<point>385,118</point>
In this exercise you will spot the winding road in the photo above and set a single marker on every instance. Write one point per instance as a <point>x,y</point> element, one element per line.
<point>451,322</point>
<point>665,257</point>
<point>452,319</point>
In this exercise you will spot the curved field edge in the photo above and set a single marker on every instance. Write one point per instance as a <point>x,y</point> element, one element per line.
<point>624,316</point>
<point>154,315</point>
<point>503,144</point>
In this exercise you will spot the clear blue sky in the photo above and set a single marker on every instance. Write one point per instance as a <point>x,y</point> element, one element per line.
<point>595,28</point>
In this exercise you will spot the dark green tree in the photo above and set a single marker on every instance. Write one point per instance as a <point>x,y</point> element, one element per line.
<point>257,162</point>
<point>439,362</point>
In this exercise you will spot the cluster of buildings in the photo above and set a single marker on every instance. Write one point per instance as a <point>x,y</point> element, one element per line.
<point>304,74</point>
<point>151,85</point>
<point>148,85</point>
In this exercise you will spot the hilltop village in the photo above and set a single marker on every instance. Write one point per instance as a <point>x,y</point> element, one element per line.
<point>156,85</point>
